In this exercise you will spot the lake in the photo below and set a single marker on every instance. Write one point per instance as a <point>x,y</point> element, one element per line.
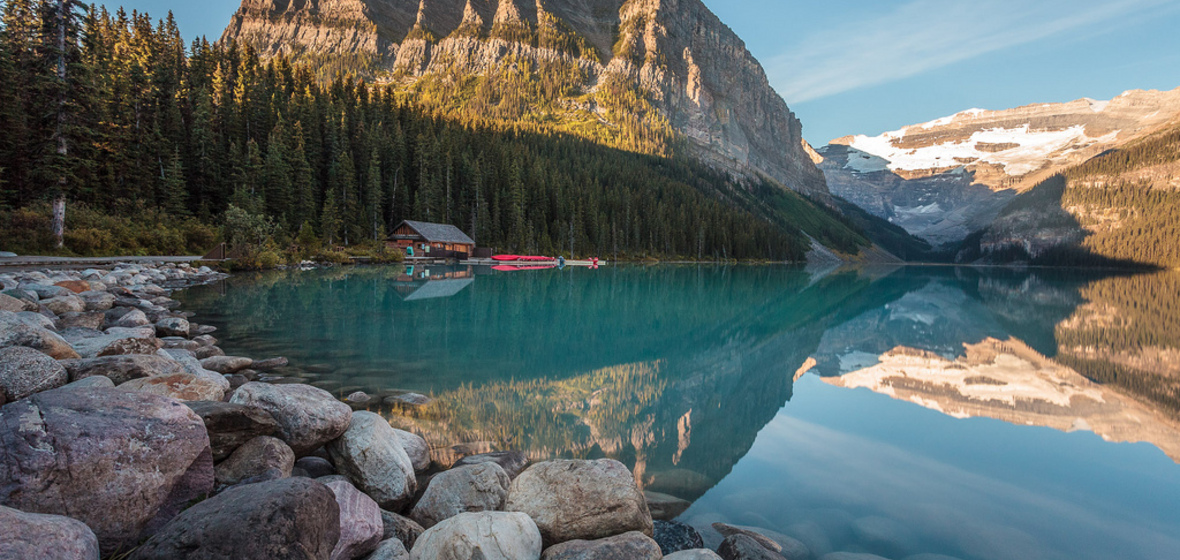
<point>973,413</point>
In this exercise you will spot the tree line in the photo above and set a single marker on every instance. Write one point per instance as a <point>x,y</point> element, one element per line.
<point>154,126</point>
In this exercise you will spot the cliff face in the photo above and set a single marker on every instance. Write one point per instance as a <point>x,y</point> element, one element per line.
<point>946,178</point>
<point>692,69</point>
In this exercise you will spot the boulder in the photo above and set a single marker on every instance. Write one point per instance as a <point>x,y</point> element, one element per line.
<point>578,499</point>
<point>92,382</point>
<point>674,537</point>
<point>131,319</point>
<point>254,458</point>
<point>370,454</point>
<point>61,305</point>
<point>226,364</point>
<point>885,535</point>
<point>391,549</point>
<point>694,554</point>
<point>728,530</point>
<point>745,547</point>
<point>86,320</point>
<point>193,366</point>
<point>14,305</point>
<point>315,467</point>
<point>96,456</point>
<point>76,286</point>
<point>287,519</point>
<point>308,417</point>
<point>38,320</point>
<point>204,340</point>
<point>415,447</point>
<point>513,462</point>
<point>97,301</point>
<point>172,326</point>
<point>409,400</point>
<point>180,386</point>
<point>117,341</point>
<point>14,331</point>
<point>206,352</point>
<point>401,528</point>
<point>230,425</point>
<point>471,488</point>
<point>122,369</point>
<point>24,371</point>
<point>34,536</point>
<point>488,535</point>
<point>632,546</point>
<point>360,522</point>
<point>665,507</point>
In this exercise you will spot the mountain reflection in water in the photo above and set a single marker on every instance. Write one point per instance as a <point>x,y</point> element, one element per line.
<point>679,371</point>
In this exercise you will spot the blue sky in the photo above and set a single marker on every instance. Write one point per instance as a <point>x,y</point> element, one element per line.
<point>867,66</point>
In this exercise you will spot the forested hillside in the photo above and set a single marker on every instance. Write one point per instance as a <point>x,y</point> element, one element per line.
<point>163,137</point>
<point>1121,208</point>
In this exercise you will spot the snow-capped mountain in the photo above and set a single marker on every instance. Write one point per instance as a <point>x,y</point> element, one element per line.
<point>943,179</point>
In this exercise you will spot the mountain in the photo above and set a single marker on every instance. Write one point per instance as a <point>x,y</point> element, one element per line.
<point>645,75</point>
<point>945,179</point>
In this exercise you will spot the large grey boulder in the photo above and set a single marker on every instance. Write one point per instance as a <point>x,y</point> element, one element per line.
<point>97,301</point>
<point>15,331</point>
<point>255,458</point>
<point>124,368</point>
<point>370,454</point>
<point>287,519</point>
<point>360,522</point>
<point>14,305</point>
<point>116,341</point>
<point>632,546</point>
<point>578,499</point>
<point>513,462</point>
<point>172,326</point>
<point>471,488</point>
<point>64,304</point>
<point>123,463</point>
<point>230,425</point>
<point>308,417</point>
<point>180,386</point>
<point>34,536</point>
<point>489,535</point>
<point>24,371</point>
<point>415,447</point>
<point>391,549</point>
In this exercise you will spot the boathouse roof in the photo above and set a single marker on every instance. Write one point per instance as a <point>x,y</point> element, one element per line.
<point>438,233</point>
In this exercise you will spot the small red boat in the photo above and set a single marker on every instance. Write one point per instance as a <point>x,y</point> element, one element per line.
<point>518,258</point>
<point>511,268</point>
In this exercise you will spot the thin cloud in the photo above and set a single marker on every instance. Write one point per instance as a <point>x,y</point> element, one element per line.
<point>922,35</point>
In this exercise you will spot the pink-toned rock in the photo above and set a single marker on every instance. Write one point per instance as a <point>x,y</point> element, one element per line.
<point>180,386</point>
<point>360,522</point>
<point>35,536</point>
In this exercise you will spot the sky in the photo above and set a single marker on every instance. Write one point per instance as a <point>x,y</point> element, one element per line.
<point>868,66</point>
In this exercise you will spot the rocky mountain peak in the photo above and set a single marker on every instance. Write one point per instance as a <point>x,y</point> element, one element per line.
<point>693,69</point>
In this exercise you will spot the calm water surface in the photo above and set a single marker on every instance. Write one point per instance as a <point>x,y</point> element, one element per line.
<point>978,414</point>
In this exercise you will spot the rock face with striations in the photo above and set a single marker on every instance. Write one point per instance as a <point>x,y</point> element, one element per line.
<point>693,69</point>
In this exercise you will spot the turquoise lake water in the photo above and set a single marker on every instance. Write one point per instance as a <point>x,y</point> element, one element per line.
<point>973,413</point>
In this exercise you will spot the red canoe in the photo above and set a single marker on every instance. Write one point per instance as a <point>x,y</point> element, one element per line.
<point>518,258</point>
<point>510,268</point>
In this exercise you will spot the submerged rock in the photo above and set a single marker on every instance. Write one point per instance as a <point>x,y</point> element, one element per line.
<point>308,417</point>
<point>745,547</point>
<point>489,535</point>
<point>96,456</point>
<point>693,554</point>
<point>577,499</point>
<point>34,536</point>
<point>665,507</point>
<point>288,519</point>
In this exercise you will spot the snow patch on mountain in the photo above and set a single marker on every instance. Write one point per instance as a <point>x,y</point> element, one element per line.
<point>1019,150</point>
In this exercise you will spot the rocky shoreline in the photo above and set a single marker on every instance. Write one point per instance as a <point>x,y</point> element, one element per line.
<point>126,432</point>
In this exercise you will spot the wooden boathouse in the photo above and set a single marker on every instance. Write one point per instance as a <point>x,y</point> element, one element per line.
<point>427,240</point>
